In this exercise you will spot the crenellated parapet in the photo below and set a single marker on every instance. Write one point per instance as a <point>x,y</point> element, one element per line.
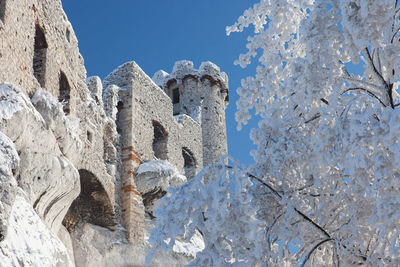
<point>203,95</point>
<point>184,69</point>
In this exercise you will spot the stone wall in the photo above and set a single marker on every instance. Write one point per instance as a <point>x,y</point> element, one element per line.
<point>148,131</point>
<point>22,23</point>
<point>203,95</point>
<point>81,141</point>
<point>151,108</point>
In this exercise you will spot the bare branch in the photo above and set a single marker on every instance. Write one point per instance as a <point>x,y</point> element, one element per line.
<point>316,116</point>
<point>344,69</point>
<point>389,87</point>
<point>376,117</point>
<point>362,83</point>
<point>266,185</point>
<point>394,34</point>
<point>325,101</point>
<point>364,90</point>
<point>379,75</point>
<point>305,217</point>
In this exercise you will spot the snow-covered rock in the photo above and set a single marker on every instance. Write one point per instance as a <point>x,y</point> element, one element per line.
<point>152,180</point>
<point>47,176</point>
<point>158,173</point>
<point>29,241</point>
<point>65,128</point>
<point>9,162</point>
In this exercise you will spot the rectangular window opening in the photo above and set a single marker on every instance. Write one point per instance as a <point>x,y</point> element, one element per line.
<point>2,10</point>
<point>175,96</point>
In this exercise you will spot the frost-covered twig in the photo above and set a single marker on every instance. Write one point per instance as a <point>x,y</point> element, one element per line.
<point>364,90</point>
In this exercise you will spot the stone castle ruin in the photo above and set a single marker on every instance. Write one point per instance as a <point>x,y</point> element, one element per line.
<point>86,159</point>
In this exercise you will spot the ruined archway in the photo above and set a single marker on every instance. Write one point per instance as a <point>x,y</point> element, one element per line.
<point>92,205</point>
<point>39,55</point>
<point>64,94</point>
<point>189,164</point>
<point>160,141</point>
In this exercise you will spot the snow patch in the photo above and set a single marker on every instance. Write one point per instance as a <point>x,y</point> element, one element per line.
<point>29,242</point>
<point>157,169</point>
<point>160,77</point>
<point>191,248</point>
<point>12,100</point>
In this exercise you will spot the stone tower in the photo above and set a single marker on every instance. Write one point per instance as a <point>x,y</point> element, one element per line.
<point>203,95</point>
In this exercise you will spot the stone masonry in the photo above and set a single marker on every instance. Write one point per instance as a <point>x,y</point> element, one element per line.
<point>98,133</point>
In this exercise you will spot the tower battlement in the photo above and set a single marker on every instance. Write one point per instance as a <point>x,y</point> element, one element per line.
<point>203,95</point>
<point>185,68</point>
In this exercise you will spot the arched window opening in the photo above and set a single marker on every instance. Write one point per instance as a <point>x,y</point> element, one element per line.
<point>64,92</point>
<point>2,10</point>
<point>92,205</point>
<point>160,141</point>
<point>39,55</point>
<point>189,164</point>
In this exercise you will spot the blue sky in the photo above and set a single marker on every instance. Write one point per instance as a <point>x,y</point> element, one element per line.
<point>156,34</point>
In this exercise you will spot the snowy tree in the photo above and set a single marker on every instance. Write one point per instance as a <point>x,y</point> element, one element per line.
<point>324,188</point>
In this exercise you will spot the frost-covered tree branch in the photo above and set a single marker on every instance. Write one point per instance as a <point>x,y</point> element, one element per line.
<point>324,188</point>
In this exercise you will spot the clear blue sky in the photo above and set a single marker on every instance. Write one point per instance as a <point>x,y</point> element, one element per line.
<point>156,33</point>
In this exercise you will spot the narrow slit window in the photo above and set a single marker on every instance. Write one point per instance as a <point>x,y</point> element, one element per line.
<point>67,34</point>
<point>175,96</point>
<point>39,55</point>
<point>2,10</point>
<point>160,141</point>
<point>64,93</point>
<point>120,107</point>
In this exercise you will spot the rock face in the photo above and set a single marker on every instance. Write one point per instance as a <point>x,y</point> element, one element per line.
<point>48,177</point>
<point>9,164</point>
<point>29,241</point>
<point>83,162</point>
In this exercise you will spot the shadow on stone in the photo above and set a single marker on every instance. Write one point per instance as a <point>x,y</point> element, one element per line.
<point>92,205</point>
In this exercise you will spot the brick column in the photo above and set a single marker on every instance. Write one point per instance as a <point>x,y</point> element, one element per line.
<point>132,203</point>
